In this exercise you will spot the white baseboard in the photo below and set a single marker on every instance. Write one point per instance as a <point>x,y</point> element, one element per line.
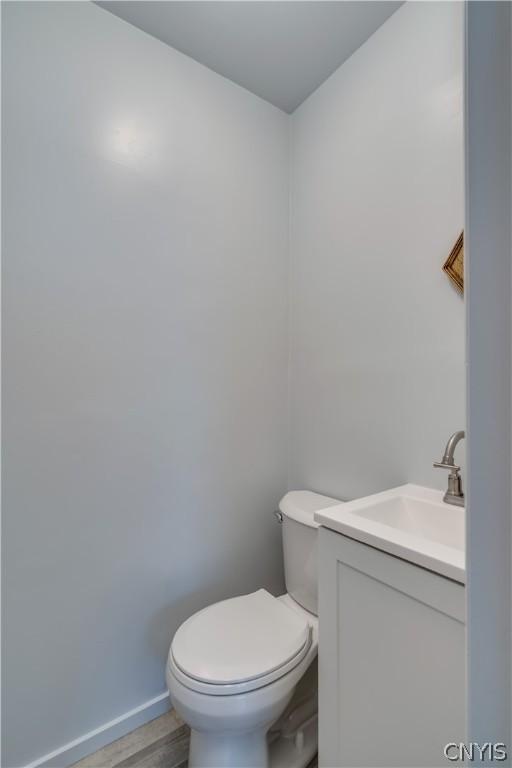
<point>103,735</point>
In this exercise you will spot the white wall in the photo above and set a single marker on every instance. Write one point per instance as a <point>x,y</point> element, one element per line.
<point>145,243</point>
<point>145,331</point>
<point>377,358</point>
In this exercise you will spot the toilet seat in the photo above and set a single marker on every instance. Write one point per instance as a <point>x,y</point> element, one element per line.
<point>239,645</point>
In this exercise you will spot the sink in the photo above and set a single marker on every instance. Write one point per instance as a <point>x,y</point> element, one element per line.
<point>420,518</point>
<point>410,522</point>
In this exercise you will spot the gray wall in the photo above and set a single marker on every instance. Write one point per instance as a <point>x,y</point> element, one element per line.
<point>377,357</point>
<point>488,211</point>
<point>145,243</point>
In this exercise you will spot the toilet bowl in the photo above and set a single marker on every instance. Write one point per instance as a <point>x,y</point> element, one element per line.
<point>234,667</point>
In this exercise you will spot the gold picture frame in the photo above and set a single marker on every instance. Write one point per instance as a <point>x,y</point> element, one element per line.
<point>454,264</point>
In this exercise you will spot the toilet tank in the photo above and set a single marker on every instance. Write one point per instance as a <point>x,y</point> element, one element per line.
<point>300,545</point>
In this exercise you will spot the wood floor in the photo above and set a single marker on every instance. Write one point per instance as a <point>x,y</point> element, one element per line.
<point>162,743</point>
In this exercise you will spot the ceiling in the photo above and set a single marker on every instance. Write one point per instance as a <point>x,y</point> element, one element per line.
<point>281,50</point>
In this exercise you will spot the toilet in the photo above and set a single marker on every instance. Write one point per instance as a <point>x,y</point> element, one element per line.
<point>234,667</point>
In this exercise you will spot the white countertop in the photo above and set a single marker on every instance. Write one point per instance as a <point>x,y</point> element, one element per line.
<point>410,522</point>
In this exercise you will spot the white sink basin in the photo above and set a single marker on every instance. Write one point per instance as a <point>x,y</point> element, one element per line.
<point>410,522</point>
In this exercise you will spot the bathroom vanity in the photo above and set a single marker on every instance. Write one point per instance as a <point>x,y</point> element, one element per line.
<point>392,629</point>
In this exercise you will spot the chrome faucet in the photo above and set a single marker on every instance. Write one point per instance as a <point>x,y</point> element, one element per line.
<point>454,494</point>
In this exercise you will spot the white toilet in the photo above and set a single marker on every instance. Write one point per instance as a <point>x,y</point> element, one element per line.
<point>234,666</point>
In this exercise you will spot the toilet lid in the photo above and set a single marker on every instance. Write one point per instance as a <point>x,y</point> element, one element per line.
<point>240,639</point>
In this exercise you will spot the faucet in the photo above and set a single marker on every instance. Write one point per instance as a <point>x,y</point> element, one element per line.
<point>454,494</point>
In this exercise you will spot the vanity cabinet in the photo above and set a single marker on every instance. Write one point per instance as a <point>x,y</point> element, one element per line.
<point>392,658</point>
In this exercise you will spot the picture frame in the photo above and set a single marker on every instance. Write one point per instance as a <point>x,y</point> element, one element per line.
<point>454,264</point>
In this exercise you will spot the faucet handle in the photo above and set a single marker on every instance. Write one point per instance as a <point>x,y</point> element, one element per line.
<point>443,465</point>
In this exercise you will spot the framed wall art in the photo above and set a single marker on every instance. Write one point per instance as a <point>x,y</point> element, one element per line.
<point>454,264</point>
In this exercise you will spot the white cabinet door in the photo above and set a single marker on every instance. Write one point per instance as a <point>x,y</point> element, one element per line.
<point>391,661</point>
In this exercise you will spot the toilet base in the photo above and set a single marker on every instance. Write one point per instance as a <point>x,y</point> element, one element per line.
<point>225,750</point>
<point>296,751</point>
<point>252,750</point>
